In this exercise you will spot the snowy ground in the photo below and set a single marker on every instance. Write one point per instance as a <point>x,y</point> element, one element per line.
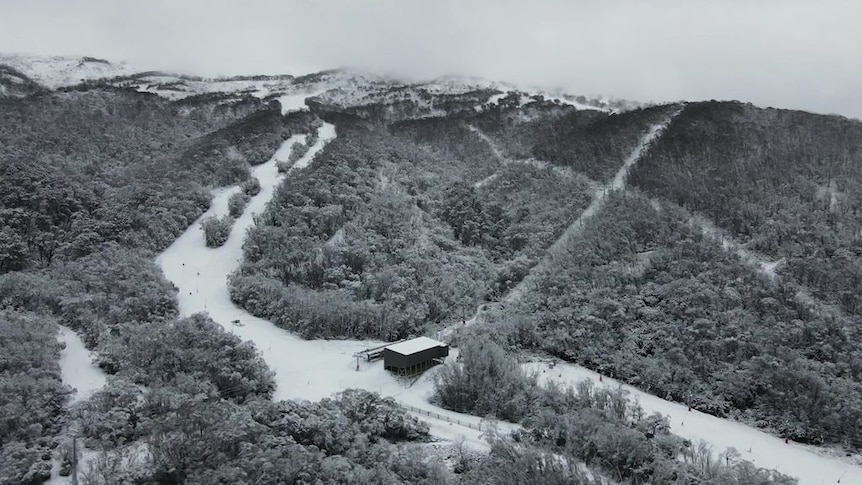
<point>296,101</point>
<point>78,371</point>
<point>56,71</point>
<point>76,366</point>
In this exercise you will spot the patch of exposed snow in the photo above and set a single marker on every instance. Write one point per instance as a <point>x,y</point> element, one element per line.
<point>77,369</point>
<point>296,101</point>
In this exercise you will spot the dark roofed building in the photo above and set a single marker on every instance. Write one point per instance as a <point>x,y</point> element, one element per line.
<point>414,356</point>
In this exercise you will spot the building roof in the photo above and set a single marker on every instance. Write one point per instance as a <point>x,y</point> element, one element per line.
<point>415,345</point>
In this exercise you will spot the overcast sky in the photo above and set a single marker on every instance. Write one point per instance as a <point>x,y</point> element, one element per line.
<point>803,54</point>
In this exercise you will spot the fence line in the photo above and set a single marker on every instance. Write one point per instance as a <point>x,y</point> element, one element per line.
<point>448,419</point>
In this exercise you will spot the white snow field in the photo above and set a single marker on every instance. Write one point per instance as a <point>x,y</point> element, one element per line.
<point>305,369</point>
<point>77,369</point>
<point>57,71</point>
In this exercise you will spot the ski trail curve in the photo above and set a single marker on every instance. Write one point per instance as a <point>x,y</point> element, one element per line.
<point>304,369</point>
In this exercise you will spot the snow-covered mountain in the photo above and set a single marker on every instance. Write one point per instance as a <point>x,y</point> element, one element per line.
<point>341,87</point>
<point>57,71</point>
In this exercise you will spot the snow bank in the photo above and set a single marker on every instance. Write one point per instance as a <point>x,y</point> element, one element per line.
<point>56,71</point>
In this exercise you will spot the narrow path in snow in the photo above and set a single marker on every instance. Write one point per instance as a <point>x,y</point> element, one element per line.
<point>77,370</point>
<point>304,369</point>
<point>599,197</point>
<point>766,267</point>
<point>491,144</point>
<point>561,171</point>
<point>602,192</point>
<point>77,367</point>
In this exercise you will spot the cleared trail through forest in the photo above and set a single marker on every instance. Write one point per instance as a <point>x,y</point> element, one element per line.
<point>79,371</point>
<point>506,161</point>
<point>600,196</point>
<point>809,464</point>
<point>491,144</point>
<point>763,265</point>
<point>304,369</point>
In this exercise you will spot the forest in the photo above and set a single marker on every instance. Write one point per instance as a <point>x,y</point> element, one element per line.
<point>94,182</point>
<point>645,297</point>
<point>418,212</point>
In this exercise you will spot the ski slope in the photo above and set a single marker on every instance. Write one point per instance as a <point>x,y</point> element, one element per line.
<point>304,369</point>
<point>77,369</point>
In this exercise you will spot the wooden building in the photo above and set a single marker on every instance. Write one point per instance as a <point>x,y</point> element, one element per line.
<point>414,356</point>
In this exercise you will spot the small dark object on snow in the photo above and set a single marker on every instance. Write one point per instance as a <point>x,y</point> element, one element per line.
<point>236,322</point>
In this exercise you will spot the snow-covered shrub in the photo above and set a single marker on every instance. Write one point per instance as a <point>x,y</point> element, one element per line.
<point>236,204</point>
<point>251,186</point>
<point>216,231</point>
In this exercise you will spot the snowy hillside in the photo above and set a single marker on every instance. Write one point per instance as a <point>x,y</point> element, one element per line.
<point>341,87</point>
<point>57,71</point>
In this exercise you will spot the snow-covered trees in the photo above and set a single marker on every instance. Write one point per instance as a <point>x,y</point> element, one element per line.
<point>597,426</point>
<point>31,396</point>
<point>644,296</point>
<point>338,253</point>
<point>250,187</point>
<point>236,204</point>
<point>216,230</point>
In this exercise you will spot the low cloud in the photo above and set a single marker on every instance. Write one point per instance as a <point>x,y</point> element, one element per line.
<point>783,53</point>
